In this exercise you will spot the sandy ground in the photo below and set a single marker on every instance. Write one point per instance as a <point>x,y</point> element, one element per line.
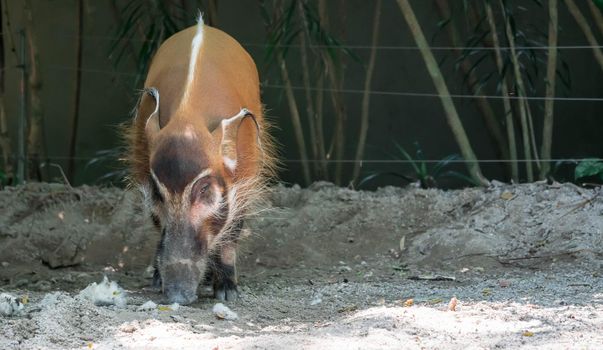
<point>324,268</point>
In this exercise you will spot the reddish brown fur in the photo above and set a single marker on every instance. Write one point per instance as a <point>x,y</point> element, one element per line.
<point>226,80</point>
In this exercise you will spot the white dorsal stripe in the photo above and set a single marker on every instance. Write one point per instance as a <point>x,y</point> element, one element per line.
<point>195,48</point>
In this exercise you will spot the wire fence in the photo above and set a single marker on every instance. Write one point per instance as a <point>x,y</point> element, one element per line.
<point>351,161</point>
<point>359,91</point>
<point>59,67</point>
<point>359,47</point>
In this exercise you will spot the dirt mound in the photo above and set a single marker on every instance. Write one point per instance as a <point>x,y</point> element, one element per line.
<point>324,267</point>
<point>48,226</point>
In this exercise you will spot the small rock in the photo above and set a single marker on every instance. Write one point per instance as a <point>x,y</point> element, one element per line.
<point>222,312</point>
<point>10,305</point>
<point>452,304</point>
<point>105,293</point>
<point>178,319</point>
<point>5,264</point>
<point>345,269</point>
<point>148,306</point>
<point>129,328</point>
<point>504,283</point>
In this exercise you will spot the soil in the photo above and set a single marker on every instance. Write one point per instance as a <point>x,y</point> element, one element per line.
<point>509,266</point>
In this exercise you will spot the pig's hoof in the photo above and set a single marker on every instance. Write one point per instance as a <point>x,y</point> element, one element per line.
<point>226,293</point>
<point>156,280</point>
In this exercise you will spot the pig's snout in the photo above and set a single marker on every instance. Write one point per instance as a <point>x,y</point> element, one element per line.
<point>180,281</point>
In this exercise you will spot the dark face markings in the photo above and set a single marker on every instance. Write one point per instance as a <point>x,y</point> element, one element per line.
<point>177,162</point>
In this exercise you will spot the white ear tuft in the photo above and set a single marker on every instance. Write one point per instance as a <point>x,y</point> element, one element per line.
<point>152,124</point>
<point>230,128</point>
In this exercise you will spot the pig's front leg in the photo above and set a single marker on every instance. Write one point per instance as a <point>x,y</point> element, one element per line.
<point>224,267</point>
<point>225,274</point>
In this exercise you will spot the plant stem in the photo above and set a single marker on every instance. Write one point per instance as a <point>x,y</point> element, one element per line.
<point>521,93</point>
<point>335,76</point>
<point>583,24</point>
<point>307,89</point>
<point>35,123</point>
<point>5,143</point>
<point>597,14</point>
<point>549,103</point>
<point>295,119</point>
<point>320,97</point>
<point>505,94</point>
<point>364,118</point>
<point>451,113</point>
<point>471,81</point>
<point>212,13</point>
<point>78,82</point>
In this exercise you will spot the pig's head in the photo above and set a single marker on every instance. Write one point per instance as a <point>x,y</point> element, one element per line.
<point>191,173</point>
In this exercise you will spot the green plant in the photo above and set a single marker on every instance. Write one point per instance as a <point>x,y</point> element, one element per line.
<point>502,54</point>
<point>450,110</point>
<point>424,173</point>
<point>590,167</point>
<point>321,58</point>
<point>107,158</point>
<point>142,25</point>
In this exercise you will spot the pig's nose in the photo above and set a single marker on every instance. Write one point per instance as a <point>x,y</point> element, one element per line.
<point>180,296</point>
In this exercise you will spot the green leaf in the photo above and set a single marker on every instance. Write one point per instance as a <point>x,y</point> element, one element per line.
<point>413,162</point>
<point>599,4</point>
<point>375,175</point>
<point>589,167</point>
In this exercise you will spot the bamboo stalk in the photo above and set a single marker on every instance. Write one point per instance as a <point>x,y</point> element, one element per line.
<point>310,114</point>
<point>212,13</point>
<point>549,103</point>
<point>505,94</point>
<point>583,24</point>
<point>36,115</point>
<point>482,103</point>
<point>452,116</point>
<point>596,14</point>
<point>118,20</point>
<point>366,97</point>
<point>295,118</point>
<point>78,83</point>
<point>336,150</point>
<point>5,144</point>
<point>320,134</point>
<point>521,92</point>
<point>21,164</point>
<point>320,97</point>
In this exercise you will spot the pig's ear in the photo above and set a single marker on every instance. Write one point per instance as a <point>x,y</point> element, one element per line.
<point>148,109</point>
<point>240,142</point>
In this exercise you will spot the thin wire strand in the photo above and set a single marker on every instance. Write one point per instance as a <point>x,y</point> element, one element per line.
<point>372,92</point>
<point>363,47</point>
<point>421,94</point>
<point>392,161</point>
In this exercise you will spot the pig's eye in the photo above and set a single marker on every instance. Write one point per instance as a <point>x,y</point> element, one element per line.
<point>201,190</point>
<point>204,189</point>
